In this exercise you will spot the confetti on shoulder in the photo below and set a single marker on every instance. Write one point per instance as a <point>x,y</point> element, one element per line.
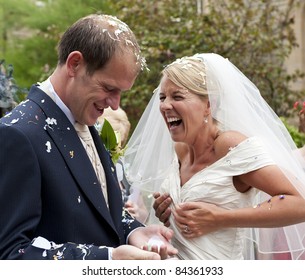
<point>48,145</point>
<point>50,122</point>
<point>14,121</point>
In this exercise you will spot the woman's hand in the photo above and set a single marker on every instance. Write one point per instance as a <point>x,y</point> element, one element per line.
<point>132,208</point>
<point>195,219</point>
<point>138,212</point>
<point>161,206</point>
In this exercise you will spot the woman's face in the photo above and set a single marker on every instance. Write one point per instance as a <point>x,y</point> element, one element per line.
<point>183,111</point>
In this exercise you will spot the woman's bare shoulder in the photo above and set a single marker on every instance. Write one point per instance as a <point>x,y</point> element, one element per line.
<point>227,140</point>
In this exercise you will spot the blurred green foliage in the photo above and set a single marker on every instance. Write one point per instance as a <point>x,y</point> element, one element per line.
<point>256,35</point>
<point>298,137</point>
<point>10,93</point>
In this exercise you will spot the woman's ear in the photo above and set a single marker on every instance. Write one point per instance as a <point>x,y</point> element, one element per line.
<point>208,109</point>
<point>73,62</point>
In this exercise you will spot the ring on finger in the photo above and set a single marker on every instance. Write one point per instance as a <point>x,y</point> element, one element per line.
<point>186,229</point>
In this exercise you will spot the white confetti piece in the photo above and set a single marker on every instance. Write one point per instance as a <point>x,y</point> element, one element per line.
<point>48,144</point>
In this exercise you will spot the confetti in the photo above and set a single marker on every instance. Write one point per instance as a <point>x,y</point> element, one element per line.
<point>14,121</point>
<point>48,144</point>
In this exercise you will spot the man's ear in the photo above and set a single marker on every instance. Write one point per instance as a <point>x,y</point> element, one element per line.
<point>74,62</point>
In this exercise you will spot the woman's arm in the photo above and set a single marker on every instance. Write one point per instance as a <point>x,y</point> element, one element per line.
<point>285,207</point>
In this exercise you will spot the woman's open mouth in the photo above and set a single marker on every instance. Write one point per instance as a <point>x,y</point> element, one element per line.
<point>173,122</point>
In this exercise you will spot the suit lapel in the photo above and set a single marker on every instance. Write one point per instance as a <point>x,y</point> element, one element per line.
<point>68,143</point>
<point>113,188</point>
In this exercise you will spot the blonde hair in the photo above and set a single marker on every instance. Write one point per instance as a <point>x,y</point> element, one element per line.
<point>189,73</point>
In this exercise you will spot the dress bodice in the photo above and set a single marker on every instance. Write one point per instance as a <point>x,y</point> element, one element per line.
<point>214,184</point>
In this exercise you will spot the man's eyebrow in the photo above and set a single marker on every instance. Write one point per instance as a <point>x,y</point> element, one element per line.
<point>109,86</point>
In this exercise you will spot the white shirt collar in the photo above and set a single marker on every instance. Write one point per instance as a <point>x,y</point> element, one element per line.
<point>48,88</point>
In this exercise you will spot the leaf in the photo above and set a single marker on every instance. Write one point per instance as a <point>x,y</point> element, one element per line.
<point>108,135</point>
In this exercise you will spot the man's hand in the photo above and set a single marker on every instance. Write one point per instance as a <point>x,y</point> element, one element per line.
<point>162,209</point>
<point>155,238</point>
<point>128,252</point>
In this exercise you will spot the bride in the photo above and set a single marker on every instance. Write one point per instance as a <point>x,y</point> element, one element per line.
<point>210,148</point>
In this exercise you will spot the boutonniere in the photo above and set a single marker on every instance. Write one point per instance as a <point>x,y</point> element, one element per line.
<point>111,139</point>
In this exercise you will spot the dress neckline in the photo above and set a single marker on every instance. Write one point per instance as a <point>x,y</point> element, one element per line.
<point>211,165</point>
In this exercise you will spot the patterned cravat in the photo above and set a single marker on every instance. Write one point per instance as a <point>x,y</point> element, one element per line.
<point>86,138</point>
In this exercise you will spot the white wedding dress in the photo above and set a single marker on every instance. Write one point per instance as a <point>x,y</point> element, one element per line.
<point>236,105</point>
<point>214,184</point>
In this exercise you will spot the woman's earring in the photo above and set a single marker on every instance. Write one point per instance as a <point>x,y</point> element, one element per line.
<point>205,120</point>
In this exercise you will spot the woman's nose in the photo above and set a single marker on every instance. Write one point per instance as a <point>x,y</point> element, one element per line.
<point>165,105</point>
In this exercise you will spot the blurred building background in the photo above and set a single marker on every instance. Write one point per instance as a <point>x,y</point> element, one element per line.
<point>297,57</point>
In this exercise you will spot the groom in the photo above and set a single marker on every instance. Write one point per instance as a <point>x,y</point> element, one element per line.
<point>59,195</point>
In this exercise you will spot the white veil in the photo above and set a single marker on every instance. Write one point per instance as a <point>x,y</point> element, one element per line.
<point>236,104</point>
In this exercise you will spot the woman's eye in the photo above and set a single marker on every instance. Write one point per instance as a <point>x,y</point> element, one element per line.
<point>178,97</point>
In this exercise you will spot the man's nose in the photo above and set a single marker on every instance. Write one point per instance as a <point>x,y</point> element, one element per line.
<point>113,101</point>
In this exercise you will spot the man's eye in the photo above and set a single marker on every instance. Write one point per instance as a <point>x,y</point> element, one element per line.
<point>109,89</point>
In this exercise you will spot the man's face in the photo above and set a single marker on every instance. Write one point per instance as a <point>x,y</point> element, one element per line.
<point>88,95</point>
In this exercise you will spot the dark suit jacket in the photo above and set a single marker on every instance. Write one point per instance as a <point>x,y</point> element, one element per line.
<point>48,188</point>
